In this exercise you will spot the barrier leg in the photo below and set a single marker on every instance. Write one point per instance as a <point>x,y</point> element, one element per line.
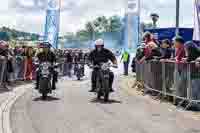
<point>189,105</point>
<point>180,103</point>
<point>163,81</point>
<point>175,83</point>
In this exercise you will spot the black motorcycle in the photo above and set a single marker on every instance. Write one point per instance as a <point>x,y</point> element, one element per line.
<point>102,80</point>
<point>79,71</point>
<point>45,78</point>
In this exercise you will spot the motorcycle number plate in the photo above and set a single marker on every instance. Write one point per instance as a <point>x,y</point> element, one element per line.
<point>45,76</point>
<point>45,72</point>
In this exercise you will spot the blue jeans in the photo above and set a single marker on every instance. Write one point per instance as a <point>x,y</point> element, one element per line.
<point>126,68</point>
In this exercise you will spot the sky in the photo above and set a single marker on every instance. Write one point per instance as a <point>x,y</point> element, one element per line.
<point>29,15</point>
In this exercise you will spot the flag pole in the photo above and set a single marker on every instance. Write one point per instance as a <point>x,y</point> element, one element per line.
<point>59,10</point>
<point>177,16</point>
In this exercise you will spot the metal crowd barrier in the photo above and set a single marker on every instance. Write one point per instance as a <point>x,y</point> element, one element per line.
<point>181,81</point>
<point>2,69</point>
<point>19,69</point>
<point>19,65</point>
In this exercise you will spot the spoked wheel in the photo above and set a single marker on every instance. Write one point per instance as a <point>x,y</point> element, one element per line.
<point>107,90</point>
<point>99,95</point>
<point>44,85</point>
<point>106,97</point>
<point>44,96</point>
<point>98,88</point>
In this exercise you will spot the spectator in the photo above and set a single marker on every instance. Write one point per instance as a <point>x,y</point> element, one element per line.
<point>133,65</point>
<point>28,63</point>
<point>147,37</point>
<point>139,55</point>
<point>7,67</point>
<point>151,50</point>
<point>165,50</point>
<point>179,45</point>
<point>126,60</point>
<point>69,61</point>
<point>192,54</point>
<point>192,51</point>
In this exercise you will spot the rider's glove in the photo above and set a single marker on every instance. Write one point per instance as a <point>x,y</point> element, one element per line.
<point>115,66</point>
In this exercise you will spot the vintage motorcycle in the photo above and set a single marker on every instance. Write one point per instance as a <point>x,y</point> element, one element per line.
<point>102,80</point>
<point>45,78</point>
<point>79,71</point>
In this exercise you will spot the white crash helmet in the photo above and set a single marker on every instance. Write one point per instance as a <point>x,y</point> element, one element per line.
<point>99,42</point>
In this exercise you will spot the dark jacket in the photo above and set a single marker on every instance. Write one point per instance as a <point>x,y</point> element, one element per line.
<point>69,58</point>
<point>50,56</point>
<point>193,54</point>
<point>80,57</point>
<point>133,65</point>
<point>100,57</point>
<point>166,53</point>
<point>140,53</point>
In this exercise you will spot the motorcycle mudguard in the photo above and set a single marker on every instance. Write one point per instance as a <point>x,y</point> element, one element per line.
<point>44,85</point>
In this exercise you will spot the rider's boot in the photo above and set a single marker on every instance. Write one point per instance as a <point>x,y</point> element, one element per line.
<point>111,82</point>
<point>37,85</point>
<point>93,88</point>
<point>54,86</point>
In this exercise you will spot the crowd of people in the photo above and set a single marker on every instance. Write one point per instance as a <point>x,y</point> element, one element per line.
<point>186,56</point>
<point>17,63</point>
<point>176,50</point>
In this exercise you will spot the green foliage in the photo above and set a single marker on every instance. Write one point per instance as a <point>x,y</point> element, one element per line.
<point>5,36</point>
<point>148,26</point>
<point>115,24</point>
<point>97,28</point>
<point>99,25</point>
<point>8,34</point>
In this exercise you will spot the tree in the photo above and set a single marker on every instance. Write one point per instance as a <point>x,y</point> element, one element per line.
<point>83,35</point>
<point>101,24</point>
<point>90,29</point>
<point>115,24</point>
<point>5,36</point>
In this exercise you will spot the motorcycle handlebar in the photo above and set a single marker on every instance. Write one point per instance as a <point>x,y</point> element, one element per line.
<point>97,66</point>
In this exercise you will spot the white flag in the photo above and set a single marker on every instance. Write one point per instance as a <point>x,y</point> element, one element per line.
<point>196,33</point>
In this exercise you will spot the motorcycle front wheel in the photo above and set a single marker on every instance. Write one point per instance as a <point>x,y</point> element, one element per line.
<point>107,90</point>
<point>99,90</point>
<point>44,96</point>
<point>44,86</point>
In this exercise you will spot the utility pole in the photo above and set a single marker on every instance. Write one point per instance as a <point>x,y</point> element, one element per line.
<point>59,2</point>
<point>177,16</point>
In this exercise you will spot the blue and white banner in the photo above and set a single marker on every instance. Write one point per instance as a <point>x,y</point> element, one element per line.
<point>132,25</point>
<point>52,23</point>
<point>196,34</point>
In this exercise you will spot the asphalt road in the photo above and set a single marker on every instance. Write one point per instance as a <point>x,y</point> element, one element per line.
<point>71,109</point>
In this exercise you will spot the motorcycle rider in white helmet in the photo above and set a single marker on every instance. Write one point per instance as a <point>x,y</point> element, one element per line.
<point>101,55</point>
